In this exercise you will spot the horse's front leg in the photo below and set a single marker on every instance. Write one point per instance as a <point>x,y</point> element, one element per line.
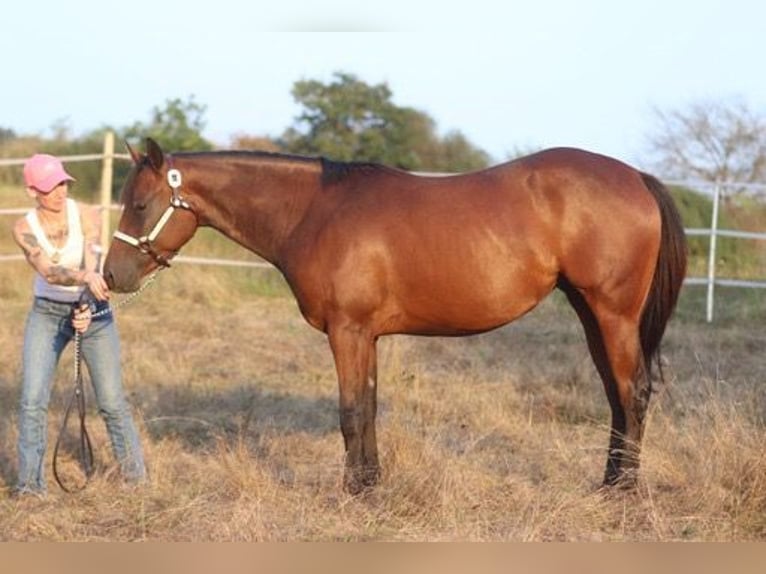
<point>371,472</point>
<point>354,352</point>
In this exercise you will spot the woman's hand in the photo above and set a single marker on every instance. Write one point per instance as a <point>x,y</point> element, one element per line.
<point>81,319</point>
<point>97,285</point>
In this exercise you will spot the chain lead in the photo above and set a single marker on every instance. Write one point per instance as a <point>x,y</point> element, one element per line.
<point>128,298</point>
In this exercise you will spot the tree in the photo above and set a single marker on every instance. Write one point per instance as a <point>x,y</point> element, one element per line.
<point>458,154</point>
<point>347,120</point>
<point>87,173</point>
<point>713,141</point>
<point>245,141</point>
<point>344,120</point>
<point>176,127</point>
<point>6,134</point>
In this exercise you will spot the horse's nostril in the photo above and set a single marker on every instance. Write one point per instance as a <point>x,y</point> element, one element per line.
<point>109,278</point>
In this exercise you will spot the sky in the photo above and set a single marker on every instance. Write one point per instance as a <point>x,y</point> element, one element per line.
<point>509,75</point>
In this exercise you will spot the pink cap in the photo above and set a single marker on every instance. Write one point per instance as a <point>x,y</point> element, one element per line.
<point>44,172</point>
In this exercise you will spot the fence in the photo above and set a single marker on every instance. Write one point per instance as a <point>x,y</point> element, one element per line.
<point>713,232</point>
<point>711,281</point>
<point>107,157</point>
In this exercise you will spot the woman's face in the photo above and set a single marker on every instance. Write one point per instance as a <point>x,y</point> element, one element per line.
<point>55,200</point>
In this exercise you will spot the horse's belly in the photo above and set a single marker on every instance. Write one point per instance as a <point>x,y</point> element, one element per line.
<point>471,303</point>
<point>430,284</point>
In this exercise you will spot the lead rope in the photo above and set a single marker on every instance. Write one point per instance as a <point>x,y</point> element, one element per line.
<point>85,447</point>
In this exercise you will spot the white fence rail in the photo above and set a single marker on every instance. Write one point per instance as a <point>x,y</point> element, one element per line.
<point>713,232</point>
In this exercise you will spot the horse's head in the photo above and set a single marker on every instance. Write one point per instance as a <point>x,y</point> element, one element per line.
<point>156,220</point>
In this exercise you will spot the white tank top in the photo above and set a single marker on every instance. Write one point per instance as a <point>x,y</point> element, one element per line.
<point>70,255</point>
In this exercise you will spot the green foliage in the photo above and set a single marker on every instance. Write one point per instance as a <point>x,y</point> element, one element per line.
<point>6,134</point>
<point>458,154</point>
<point>733,306</point>
<point>176,127</point>
<point>349,120</point>
<point>87,173</point>
<point>696,212</point>
<point>735,258</point>
<point>345,120</point>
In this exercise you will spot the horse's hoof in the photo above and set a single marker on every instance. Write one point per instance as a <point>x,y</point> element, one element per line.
<point>626,481</point>
<point>358,482</point>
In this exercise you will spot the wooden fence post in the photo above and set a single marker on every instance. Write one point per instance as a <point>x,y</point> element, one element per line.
<point>107,172</point>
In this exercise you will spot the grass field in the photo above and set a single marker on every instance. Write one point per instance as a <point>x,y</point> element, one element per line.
<point>495,437</point>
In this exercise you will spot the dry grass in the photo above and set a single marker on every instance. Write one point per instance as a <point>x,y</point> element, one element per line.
<point>495,437</point>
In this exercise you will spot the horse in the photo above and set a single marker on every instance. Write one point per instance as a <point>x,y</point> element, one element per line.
<point>370,250</point>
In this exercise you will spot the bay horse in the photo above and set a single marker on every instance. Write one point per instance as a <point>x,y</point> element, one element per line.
<point>370,250</point>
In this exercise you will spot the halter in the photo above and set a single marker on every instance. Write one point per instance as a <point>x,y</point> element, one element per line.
<point>145,243</point>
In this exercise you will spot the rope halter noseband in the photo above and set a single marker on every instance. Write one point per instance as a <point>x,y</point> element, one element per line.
<point>145,243</point>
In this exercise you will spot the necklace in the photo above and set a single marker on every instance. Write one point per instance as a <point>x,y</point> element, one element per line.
<point>57,232</point>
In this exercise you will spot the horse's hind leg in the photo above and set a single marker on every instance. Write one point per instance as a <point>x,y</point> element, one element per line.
<point>614,343</point>
<point>355,362</point>
<point>628,390</point>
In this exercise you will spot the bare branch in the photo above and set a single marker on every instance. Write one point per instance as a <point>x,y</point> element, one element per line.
<point>712,140</point>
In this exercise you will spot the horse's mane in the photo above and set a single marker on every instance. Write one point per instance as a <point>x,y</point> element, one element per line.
<point>247,154</point>
<point>337,171</point>
<point>333,171</point>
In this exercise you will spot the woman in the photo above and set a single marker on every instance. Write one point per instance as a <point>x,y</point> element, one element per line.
<point>59,238</point>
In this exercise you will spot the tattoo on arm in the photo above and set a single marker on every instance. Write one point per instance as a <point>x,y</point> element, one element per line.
<point>30,245</point>
<point>30,240</point>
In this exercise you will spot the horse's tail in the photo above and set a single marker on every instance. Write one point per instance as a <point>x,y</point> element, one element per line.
<point>668,274</point>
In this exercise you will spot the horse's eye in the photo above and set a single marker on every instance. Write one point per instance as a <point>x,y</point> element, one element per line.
<point>140,206</point>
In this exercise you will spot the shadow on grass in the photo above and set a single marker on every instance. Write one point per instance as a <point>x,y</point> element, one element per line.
<point>200,419</point>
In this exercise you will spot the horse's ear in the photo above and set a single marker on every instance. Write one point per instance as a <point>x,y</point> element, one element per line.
<point>155,154</point>
<point>133,153</point>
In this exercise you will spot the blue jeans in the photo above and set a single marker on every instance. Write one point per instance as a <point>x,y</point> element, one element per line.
<point>48,331</point>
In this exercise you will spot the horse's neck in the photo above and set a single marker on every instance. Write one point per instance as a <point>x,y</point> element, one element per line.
<point>258,205</point>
